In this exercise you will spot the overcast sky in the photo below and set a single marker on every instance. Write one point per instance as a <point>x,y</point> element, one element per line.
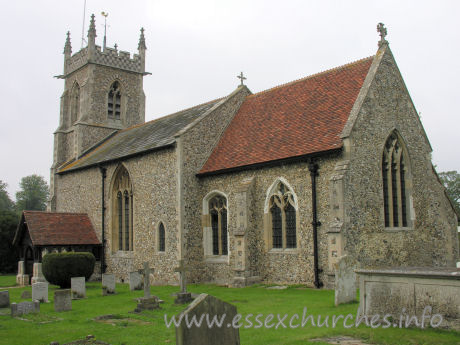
<point>196,49</point>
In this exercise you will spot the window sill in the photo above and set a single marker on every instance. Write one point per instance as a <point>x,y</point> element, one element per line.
<point>161,252</point>
<point>283,251</point>
<point>398,229</point>
<point>216,259</point>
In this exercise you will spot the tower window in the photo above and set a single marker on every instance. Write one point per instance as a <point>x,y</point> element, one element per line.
<point>114,102</point>
<point>161,238</point>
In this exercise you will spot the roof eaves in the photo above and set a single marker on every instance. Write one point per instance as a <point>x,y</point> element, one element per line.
<point>101,163</point>
<point>253,166</point>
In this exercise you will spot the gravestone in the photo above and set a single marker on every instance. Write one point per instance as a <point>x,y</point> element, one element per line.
<point>345,280</point>
<point>78,287</point>
<point>147,302</point>
<point>4,299</point>
<point>108,284</point>
<point>135,281</point>
<point>207,304</point>
<point>22,308</point>
<point>26,294</point>
<point>183,296</point>
<point>62,300</point>
<point>40,292</point>
<point>38,276</point>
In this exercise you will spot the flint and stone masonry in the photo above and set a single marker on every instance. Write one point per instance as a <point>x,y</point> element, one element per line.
<point>166,187</point>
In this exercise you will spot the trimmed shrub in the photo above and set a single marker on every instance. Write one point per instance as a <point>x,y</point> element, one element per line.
<point>58,268</point>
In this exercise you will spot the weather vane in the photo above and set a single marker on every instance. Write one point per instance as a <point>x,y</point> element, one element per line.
<point>105,15</point>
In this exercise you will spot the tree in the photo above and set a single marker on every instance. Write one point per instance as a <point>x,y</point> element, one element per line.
<point>451,180</point>
<point>33,195</point>
<point>5,201</point>
<point>8,254</point>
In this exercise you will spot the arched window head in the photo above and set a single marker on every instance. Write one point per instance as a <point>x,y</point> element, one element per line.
<point>161,238</point>
<point>283,219</point>
<point>122,211</point>
<point>74,103</point>
<point>218,213</point>
<point>114,101</point>
<point>395,176</point>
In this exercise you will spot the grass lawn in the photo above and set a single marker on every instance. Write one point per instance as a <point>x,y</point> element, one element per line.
<point>149,327</point>
<point>7,280</point>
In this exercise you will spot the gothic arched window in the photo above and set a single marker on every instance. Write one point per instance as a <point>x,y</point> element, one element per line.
<point>161,238</point>
<point>395,176</point>
<point>283,220</point>
<point>114,101</point>
<point>74,103</point>
<point>122,211</point>
<point>218,212</point>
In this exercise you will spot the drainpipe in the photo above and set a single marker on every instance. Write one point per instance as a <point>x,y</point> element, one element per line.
<point>313,167</point>
<point>103,175</point>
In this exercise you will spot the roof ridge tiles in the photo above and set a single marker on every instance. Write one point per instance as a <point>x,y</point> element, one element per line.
<point>311,76</point>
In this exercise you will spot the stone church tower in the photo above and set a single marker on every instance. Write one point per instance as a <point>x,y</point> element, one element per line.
<point>103,93</point>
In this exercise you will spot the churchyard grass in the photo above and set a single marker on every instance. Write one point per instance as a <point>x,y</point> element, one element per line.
<point>7,280</point>
<point>149,327</point>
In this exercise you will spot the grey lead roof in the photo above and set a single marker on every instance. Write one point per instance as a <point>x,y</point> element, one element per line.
<point>134,140</point>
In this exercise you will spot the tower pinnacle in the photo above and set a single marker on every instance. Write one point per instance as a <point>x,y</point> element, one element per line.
<point>141,46</point>
<point>67,46</point>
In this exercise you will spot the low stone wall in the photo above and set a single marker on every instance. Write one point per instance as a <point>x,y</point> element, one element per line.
<point>388,291</point>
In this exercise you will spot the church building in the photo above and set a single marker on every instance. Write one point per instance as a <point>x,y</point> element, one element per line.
<point>272,187</point>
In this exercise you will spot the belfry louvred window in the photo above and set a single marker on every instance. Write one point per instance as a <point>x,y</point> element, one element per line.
<point>394,177</point>
<point>218,212</point>
<point>283,218</point>
<point>114,101</point>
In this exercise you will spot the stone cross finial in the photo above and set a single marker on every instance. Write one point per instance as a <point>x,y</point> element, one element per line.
<point>182,269</point>
<point>382,30</point>
<point>115,47</point>
<point>242,78</point>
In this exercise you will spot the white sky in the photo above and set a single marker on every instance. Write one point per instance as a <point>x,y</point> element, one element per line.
<point>196,49</point>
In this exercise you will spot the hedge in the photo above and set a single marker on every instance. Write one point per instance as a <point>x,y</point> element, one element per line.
<point>58,268</point>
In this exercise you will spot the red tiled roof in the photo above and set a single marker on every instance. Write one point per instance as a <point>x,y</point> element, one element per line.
<point>48,228</point>
<point>296,119</point>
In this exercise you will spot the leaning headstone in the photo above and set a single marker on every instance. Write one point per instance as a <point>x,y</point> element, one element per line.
<point>38,276</point>
<point>26,294</point>
<point>22,308</point>
<point>345,280</point>
<point>4,299</point>
<point>62,300</point>
<point>183,296</point>
<point>40,292</point>
<point>210,305</point>
<point>78,287</point>
<point>135,281</point>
